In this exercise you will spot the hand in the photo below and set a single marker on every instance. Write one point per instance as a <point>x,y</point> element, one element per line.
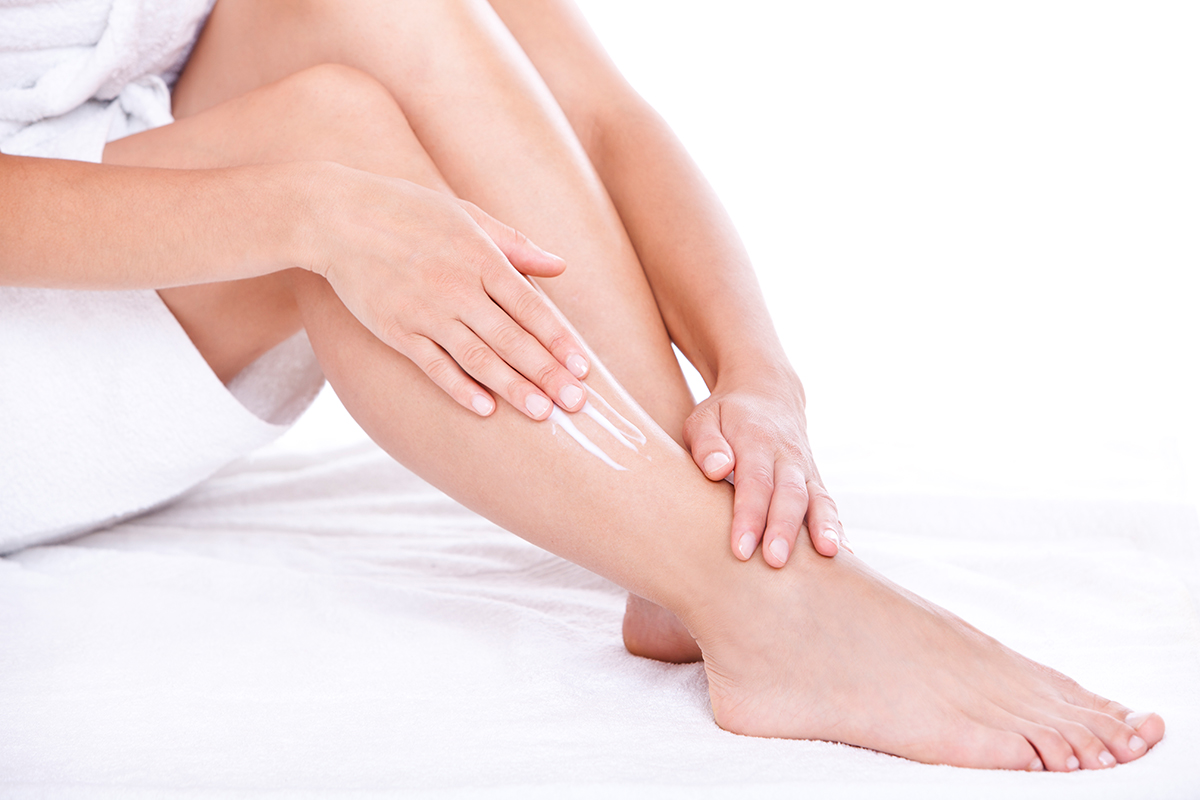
<point>442,282</point>
<point>756,430</point>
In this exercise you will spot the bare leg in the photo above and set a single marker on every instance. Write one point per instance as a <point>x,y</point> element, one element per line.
<point>503,144</point>
<point>795,652</point>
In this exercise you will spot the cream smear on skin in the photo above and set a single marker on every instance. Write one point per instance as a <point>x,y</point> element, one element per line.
<point>622,429</point>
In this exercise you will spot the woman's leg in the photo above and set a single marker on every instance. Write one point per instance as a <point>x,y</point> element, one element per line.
<point>497,135</point>
<point>824,649</point>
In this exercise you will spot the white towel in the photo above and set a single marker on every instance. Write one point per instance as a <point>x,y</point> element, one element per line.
<point>75,74</point>
<point>106,409</point>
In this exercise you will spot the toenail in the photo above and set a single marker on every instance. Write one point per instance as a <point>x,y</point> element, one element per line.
<point>1136,743</point>
<point>1106,758</point>
<point>537,405</point>
<point>1036,765</point>
<point>1135,719</point>
<point>1072,764</point>
<point>779,549</point>
<point>714,462</point>
<point>746,545</point>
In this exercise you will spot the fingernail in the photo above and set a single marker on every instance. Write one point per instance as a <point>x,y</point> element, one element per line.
<point>1136,719</point>
<point>715,461</point>
<point>577,364</point>
<point>1136,743</point>
<point>1106,758</point>
<point>482,404</point>
<point>537,405</point>
<point>746,545</point>
<point>846,544</point>
<point>831,536</point>
<point>1072,764</point>
<point>779,549</point>
<point>571,396</point>
<point>1036,765</point>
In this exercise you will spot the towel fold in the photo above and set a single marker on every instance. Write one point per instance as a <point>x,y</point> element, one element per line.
<point>79,73</point>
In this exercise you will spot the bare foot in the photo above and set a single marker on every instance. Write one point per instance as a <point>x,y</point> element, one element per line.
<point>651,631</point>
<point>831,650</point>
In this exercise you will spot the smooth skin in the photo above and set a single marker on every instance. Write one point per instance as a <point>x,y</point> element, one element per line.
<point>796,652</point>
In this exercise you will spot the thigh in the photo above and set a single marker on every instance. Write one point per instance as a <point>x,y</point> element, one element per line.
<point>324,113</point>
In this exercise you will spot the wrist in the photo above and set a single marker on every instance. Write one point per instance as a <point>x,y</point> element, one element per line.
<point>773,373</point>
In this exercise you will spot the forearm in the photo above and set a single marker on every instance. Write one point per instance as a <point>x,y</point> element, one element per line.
<point>76,225</point>
<point>693,257</point>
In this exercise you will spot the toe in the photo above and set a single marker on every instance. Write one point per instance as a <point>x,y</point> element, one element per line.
<point>1056,752</point>
<point>1090,751</point>
<point>1148,727</point>
<point>1119,738</point>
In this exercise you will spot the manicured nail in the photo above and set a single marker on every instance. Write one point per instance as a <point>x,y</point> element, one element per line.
<point>1072,764</point>
<point>537,405</point>
<point>779,549</point>
<point>1106,758</point>
<point>715,461</point>
<point>577,364</point>
<point>571,396</point>
<point>831,535</point>
<point>482,404</point>
<point>1036,765</point>
<point>1136,743</point>
<point>1136,719</point>
<point>846,544</point>
<point>746,545</point>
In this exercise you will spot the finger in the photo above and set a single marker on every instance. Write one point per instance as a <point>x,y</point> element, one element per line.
<point>446,373</point>
<point>709,449</point>
<point>753,483</point>
<point>482,363</point>
<point>533,311</point>
<point>822,519</point>
<point>526,355</point>
<point>789,504</point>
<point>522,253</point>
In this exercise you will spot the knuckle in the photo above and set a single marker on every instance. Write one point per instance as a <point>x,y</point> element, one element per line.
<point>508,338</point>
<point>756,477</point>
<point>528,305</point>
<point>439,370</point>
<point>397,333</point>
<point>546,374</point>
<point>443,279</point>
<point>515,387</point>
<point>475,358</point>
<point>560,340</point>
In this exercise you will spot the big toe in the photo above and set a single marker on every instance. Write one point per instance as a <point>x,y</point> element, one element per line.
<point>1148,727</point>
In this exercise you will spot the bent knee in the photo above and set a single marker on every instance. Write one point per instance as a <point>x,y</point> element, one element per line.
<point>336,94</point>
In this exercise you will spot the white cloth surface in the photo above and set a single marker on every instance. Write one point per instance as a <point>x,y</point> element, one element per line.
<point>75,74</point>
<point>316,622</point>
<point>107,409</point>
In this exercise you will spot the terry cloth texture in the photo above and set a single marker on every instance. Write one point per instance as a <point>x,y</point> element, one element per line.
<point>106,408</point>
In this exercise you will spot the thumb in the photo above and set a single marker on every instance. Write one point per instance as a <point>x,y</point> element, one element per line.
<point>702,436</point>
<point>524,255</point>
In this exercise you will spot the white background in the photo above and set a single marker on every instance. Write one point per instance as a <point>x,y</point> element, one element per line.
<point>977,226</point>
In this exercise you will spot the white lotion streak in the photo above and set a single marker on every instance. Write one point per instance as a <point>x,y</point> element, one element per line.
<point>559,417</point>
<point>603,422</point>
<point>636,436</point>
